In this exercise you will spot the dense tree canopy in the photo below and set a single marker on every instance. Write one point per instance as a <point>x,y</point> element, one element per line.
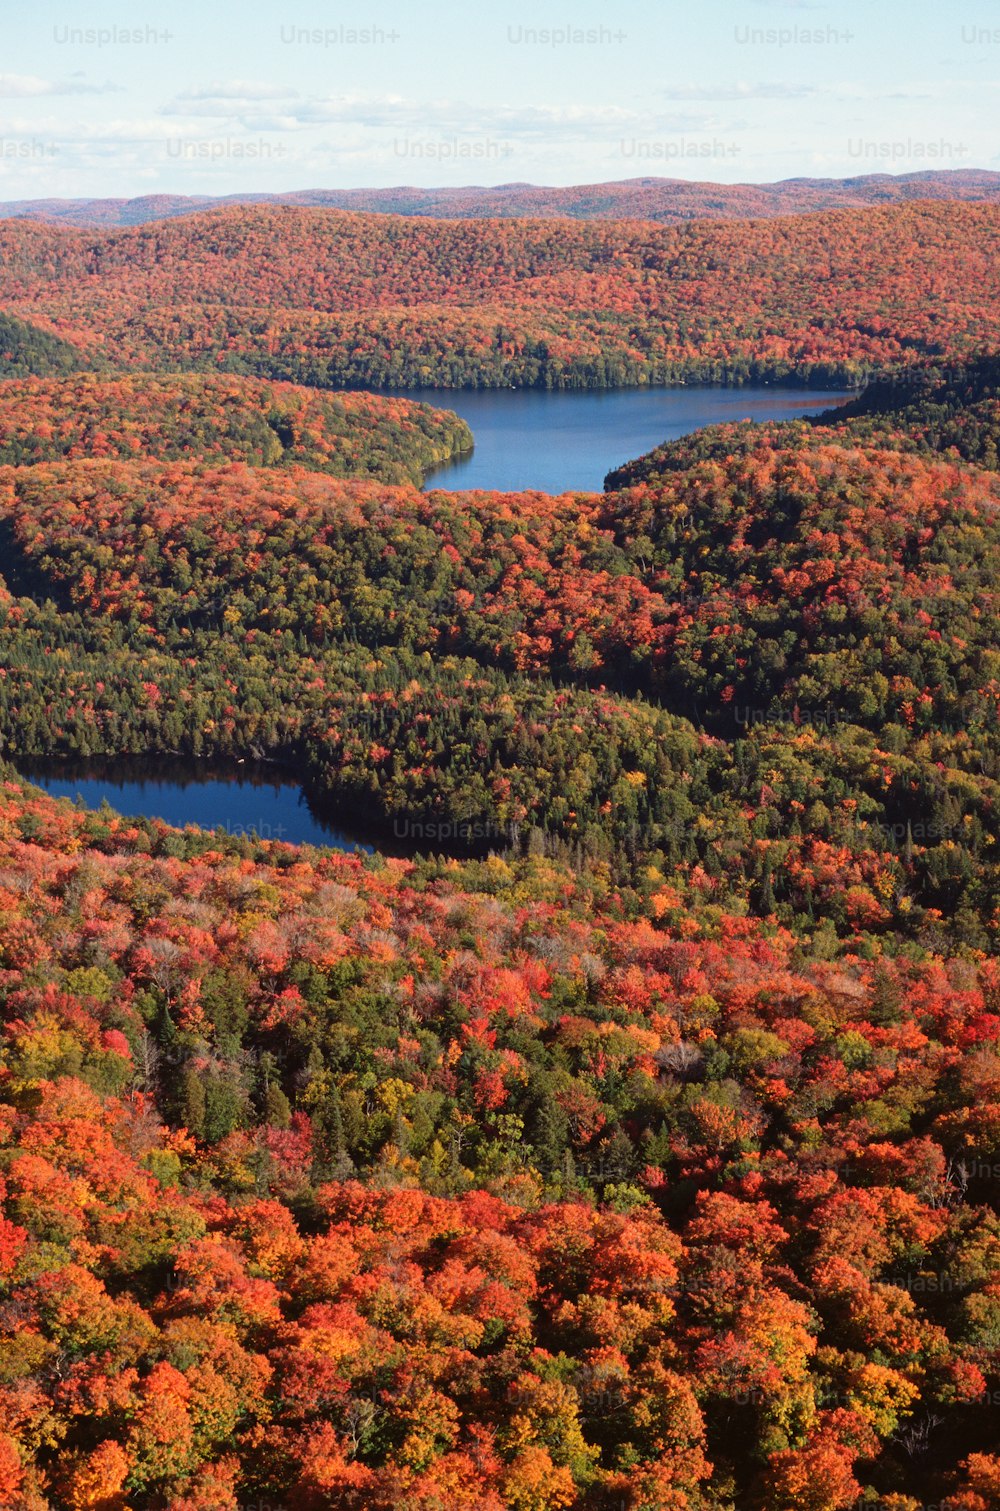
<point>218,418</point>
<point>26,350</point>
<point>774,672</point>
<point>644,1155</point>
<point>335,299</point>
<point>367,1183</point>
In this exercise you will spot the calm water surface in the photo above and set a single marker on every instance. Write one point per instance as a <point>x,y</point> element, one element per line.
<point>245,798</point>
<point>563,442</point>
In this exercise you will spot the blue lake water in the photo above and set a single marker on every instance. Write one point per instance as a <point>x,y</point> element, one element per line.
<point>244,799</point>
<point>570,441</point>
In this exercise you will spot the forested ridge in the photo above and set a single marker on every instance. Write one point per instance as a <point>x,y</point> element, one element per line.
<point>659,199</point>
<point>25,351</point>
<point>643,1157</point>
<point>216,418</point>
<point>342,300</point>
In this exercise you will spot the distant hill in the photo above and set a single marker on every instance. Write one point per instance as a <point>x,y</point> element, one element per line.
<point>338,300</point>
<point>663,199</point>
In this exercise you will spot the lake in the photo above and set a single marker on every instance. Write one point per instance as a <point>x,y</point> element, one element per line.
<point>569,441</point>
<point>244,798</point>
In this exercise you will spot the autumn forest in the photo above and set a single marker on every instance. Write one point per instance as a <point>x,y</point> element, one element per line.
<point>637,1148</point>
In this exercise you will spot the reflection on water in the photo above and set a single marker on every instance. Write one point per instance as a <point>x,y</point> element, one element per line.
<point>244,798</point>
<point>569,442</point>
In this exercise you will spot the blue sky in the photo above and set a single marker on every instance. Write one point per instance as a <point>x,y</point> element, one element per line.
<point>198,97</point>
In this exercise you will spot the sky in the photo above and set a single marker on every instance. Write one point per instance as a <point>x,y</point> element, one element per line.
<point>120,99</point>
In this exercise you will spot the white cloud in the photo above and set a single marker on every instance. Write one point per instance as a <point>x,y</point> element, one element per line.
<point>238,91</point>
<point>739,91</point>
<point>22,86</point>
<point>430,117</point>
